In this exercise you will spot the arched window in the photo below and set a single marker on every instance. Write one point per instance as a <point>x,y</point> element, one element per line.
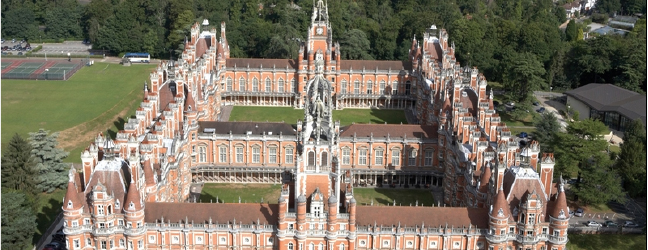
<point>255,85</point>
<point>291,246</point>
<point>272,154</point>
<point>324,159</point>
<point>356,87</point>
<point>268,85</point>
<point>395,157</point>
<point>395,87</point>
<point>281,85</point>
<point>229,84</point>
<point>289,155</point>
<point>412,157</point>
<point>242,87</point>
<point>311,158</point>
<point>408,87</point>
<point>362,156</point>
<point>256,154</point>
<point>342,246</point>
<point>202,154</point>
<point>429,153</point>
<point>311,246</point>
<point>381,87</point>
<point>379,156</point>
<point>346,156</point>
<point>369,87</point>
<point>222,154</point>
<point>344,87</point>
<point>293,88</point>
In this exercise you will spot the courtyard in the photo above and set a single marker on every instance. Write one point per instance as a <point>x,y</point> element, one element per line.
<point>291,115</point>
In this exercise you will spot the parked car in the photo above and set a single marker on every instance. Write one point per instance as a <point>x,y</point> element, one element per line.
<point>523,134</point>
<point>592,223</point>
<point>571,213</point>
<point>572,181</point>
<point>536,103</point>
<point>611,224</point>
<point>540,110</point>
<point>579,212</point>
<point>54,246</point>
<point>630,224</point>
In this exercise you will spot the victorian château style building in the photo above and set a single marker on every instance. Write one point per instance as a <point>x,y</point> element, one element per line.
<point>133,192</point>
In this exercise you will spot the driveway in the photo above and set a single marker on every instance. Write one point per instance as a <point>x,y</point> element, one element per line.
<point>544,98</point>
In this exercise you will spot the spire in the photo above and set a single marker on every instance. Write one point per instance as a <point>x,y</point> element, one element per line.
<point>486,175</point>
<point>133,201</point>
<point>560,210</point>
<point>71,200</point>
<point>500,208</point>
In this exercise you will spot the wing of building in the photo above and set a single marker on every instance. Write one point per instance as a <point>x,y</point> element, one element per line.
<point>133,192</point>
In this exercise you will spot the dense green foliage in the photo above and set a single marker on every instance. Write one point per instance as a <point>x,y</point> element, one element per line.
<point>18,166</point>
<point>632,160</point>
<point>18,220</point>
<point>547,126</point>
<point>490,35</point>
<point>52,172</point>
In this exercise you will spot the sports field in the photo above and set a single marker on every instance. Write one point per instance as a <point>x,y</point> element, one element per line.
<point>97,98</point>
<point>249,193</point>
<point>39,69</point>
<point>290,115</point>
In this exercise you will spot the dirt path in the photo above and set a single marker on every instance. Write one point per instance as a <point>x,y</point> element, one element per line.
<point>73,137</point>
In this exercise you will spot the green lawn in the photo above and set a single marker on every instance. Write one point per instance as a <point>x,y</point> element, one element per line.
<point>90,101</point>
<point>49,206</point>
<point>386,196</point>
<point>290,115</point>
<point>230,193</point>
<point>606,241</point>
<point>516,131</point>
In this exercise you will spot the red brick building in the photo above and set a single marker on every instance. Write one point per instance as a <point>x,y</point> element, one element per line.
<point>133,191</point>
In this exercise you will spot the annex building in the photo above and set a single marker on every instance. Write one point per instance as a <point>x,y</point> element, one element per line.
<point>133,191</point>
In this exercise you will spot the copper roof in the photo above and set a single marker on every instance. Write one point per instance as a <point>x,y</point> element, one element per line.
<point>218,212</point>
<point>358,65</point>
<point>259,62</point>
<point>431,216</point>
<point>412,131</point>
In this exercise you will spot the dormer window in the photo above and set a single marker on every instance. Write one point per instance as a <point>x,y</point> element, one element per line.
<point>117,204</point>
<point>69,205</point>
<point>131,205</point>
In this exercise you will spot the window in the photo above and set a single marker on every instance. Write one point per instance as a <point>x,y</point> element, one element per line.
<point>428,157</point>
<point>292,85</point>
<point>395,157</point>
<point>103,244</point>
<point>255,85</point>
<point>369,87</point>
<point>272,158</point>
<point>100,209</point>
<point>433,243</point>
<point>199,239</point>
<point>75,223</point>
<point>381,87</point>
<point>270,241</point>
<point>291,246</point>
<point>102,225</point>
<point>311,158</point>
<point>222,154</point>
<point>256,155</point>
<point>408,87</point>
<point>556,233</point>
<point>379,156</point>
<point>122,243</point>
<point>480,245</point>
<point>116,207</point>
<point>311,246</point>
<point>544,230</point>
<point>140,244</point>
<point>202,154</point>
<point>281,85</point>
<point>130,244</point>
<point>511,230</point>
<point>395,88</point>
<point>456,244</point>
<point>410,244</point>
<point>239,154</point>
<point>289,155</point>
<point>344,87</point>
<point>362,156</point>
<point>120,222</point>
<point>88,242</point>
<point>342,246</point>
<point>346,156</point>
<point>268,85</point>
<point>175,239</point>
<point>531,218</point>
<point>412,157</point>
<point>77,243</point>
<point>324,159</point>
<point>242,84</point>
<point>363,243</point>
<point>385,243</point>
<point>229,84</point>
<point>151,238</point>
<point>356,87</point>
<point>222,240</point>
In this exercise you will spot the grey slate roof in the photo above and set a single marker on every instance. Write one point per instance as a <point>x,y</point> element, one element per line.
<point>607,97</point>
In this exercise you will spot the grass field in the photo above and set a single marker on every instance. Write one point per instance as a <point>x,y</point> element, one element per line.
<point>230,193</point>
<point>290,115</point>
<point>606,242</point>
<point>386,196</point>
<point>95,99</point>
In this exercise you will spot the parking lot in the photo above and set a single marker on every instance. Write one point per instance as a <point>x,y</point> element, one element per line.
<point>72,47</point>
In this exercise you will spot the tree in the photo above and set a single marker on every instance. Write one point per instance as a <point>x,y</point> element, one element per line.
<point>18,166</point>
<point>547,126</point>
<point>632,160</point>
<point>63,22</point>
<point>523,76</point>
<point>19,23</point>
<point>581,140</point>
<point>598,182</point>
<point>608,6</point>
<point>52,172</point>
<point>571,32</point>
<point>355,45</point>
<point>18,220</point>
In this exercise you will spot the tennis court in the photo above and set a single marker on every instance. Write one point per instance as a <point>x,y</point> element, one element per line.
<point>41,70</point>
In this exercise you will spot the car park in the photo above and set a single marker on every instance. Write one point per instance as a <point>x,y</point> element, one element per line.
<point>579,212</point>
<point>592,223</point>
<point>610,224</point>
<point>54,246</point>
<point>630,224</point>
<point>541,109</point>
